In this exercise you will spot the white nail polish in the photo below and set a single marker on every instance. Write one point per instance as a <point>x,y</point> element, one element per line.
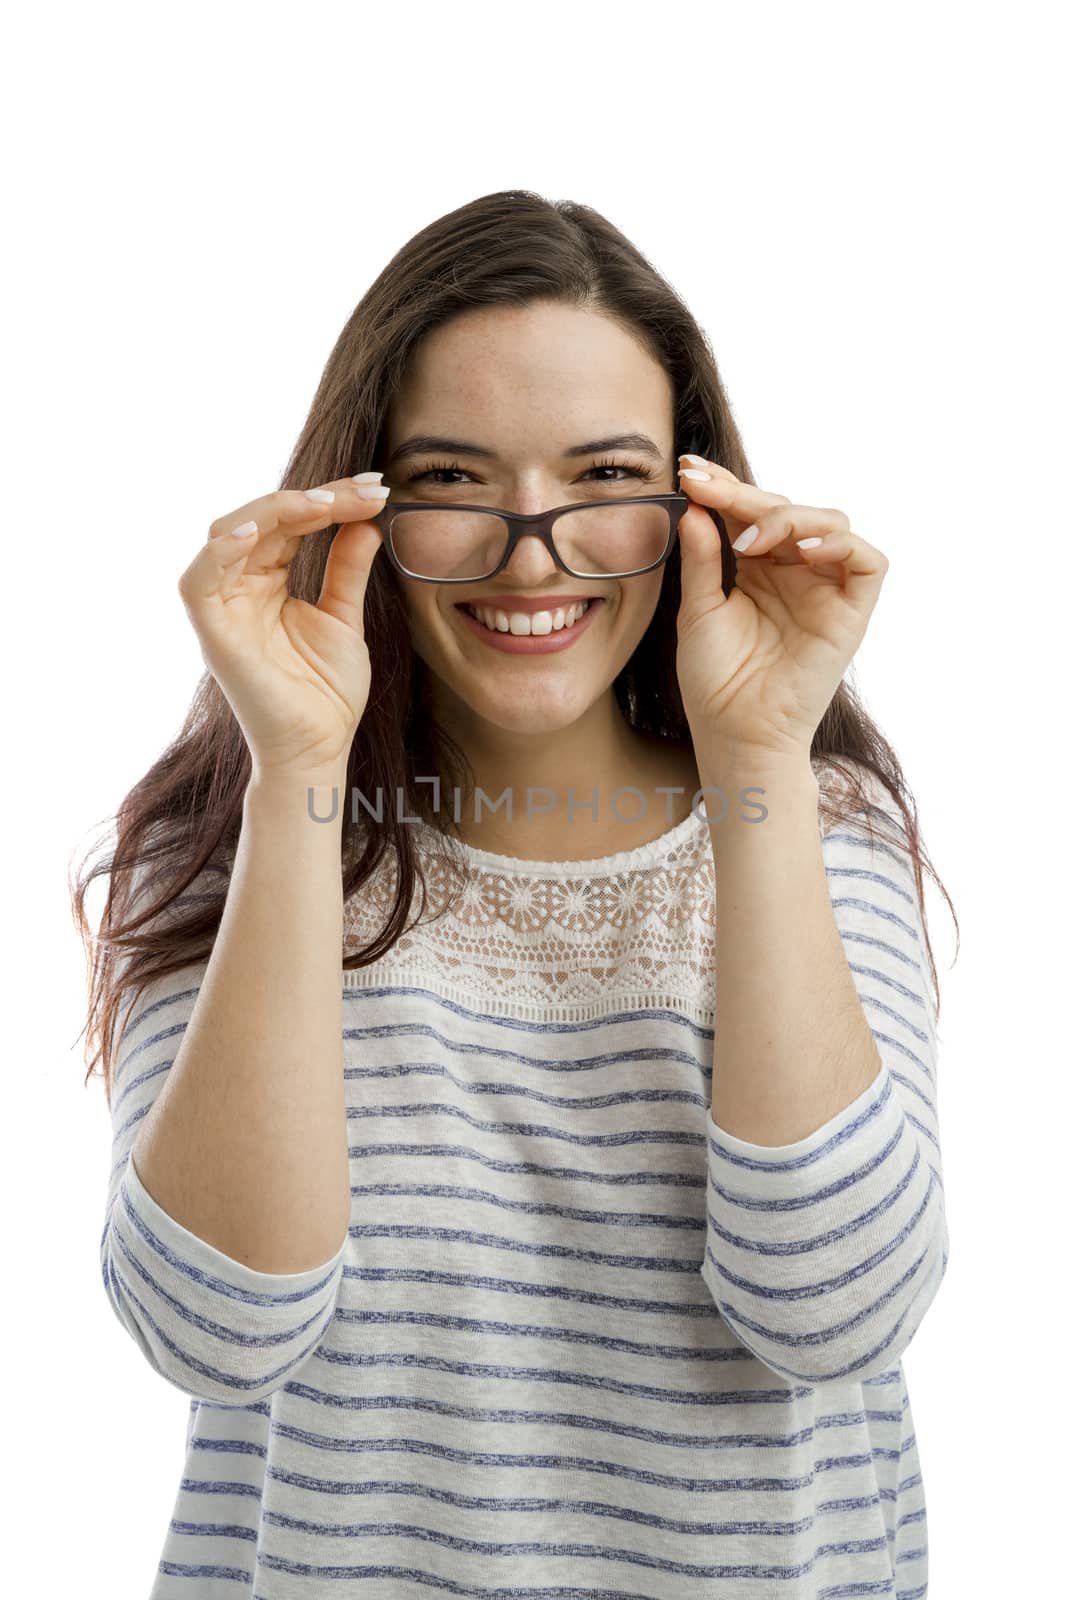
<point>325,496</point>
<point>691,472</point>
<point>367,477</point>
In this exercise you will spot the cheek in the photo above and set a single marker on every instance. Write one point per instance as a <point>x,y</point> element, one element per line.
<point>427,620</point>
<point>417,601</point>
<point>641,601</point>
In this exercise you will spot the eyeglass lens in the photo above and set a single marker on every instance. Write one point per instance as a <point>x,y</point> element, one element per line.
<point>595,542</point>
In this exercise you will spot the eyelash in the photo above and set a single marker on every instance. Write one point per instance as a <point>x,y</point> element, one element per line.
<point>620,466</point>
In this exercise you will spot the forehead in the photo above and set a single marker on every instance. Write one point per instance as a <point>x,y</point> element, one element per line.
<point>574,371</point>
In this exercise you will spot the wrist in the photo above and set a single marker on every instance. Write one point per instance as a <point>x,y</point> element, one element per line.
<point>743,796</point>
<point>318,798</point>
<point>740,768</point>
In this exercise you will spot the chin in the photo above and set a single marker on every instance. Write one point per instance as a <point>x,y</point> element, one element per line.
<point>533,714</point>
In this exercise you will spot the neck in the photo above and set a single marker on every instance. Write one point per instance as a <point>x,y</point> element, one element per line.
<point>561,784</point>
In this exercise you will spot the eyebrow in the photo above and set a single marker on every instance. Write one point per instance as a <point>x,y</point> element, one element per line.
<point>430,443</point>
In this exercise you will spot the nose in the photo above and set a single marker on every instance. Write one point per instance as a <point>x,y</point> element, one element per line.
<point>531,561</point>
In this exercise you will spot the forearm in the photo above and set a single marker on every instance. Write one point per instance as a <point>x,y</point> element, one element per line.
<point>792,1045</point>
<point>247,1143</point>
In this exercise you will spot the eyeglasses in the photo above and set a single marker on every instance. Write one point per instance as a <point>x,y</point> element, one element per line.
<point>594,539</point>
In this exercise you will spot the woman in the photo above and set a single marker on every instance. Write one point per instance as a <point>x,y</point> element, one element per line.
<point>476,1276</point>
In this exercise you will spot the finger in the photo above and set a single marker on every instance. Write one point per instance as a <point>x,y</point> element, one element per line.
<point>264,535</point>
<point>292,513</point>
<point>348,565</point>
<point>777,532</point>
<point>736,502</point>
<point>700,463</point>
<point>823,540</point>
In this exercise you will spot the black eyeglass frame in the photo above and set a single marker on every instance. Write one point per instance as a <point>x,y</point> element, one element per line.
<point>538,523</point>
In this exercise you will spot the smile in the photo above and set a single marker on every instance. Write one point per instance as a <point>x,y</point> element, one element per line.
<point>524,623</point>
<point>530,632</point>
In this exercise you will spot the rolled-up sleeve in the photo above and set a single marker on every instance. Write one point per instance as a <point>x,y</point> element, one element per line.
<point>824,1255</point>
<point>210,1325</point>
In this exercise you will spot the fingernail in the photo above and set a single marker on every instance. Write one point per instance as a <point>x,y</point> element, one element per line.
<point>323,495</point>
<point>367,477</point>
<point>700,460</point>
<point>372,491</point>
<point>743,540</point>
<point>688,472</point>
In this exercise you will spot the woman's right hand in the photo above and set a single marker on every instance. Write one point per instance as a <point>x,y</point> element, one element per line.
<point>296,675</point>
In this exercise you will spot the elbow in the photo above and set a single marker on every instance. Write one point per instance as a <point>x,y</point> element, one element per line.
<point>842,1340</point>
<point>207,1341</point>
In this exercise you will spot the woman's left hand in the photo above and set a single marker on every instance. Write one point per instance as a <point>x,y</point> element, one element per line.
<point>758,670</point>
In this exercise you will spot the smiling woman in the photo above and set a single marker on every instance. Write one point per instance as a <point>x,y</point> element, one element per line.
<point>628,1129</point>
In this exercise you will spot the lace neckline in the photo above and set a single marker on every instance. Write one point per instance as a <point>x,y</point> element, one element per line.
<point>619,863</point>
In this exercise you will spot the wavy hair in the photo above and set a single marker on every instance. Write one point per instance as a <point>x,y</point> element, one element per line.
<point>179,824</point>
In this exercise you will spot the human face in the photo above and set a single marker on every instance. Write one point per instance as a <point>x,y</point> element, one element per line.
<point>526,384</point>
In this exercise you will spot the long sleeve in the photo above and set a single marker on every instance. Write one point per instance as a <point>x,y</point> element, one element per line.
<point>213,1327</point>
<point>824,1255</point>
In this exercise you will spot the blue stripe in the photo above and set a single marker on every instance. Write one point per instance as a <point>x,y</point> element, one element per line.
<point>578,1342</point>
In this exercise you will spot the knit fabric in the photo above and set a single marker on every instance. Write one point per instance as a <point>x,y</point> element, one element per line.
<point>579,1341</point>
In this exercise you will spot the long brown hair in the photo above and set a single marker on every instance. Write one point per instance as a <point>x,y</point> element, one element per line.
<point>179,825</point>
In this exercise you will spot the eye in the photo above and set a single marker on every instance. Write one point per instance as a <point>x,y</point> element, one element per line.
<point>428,472</point>
<point>620,466</point>
<point>632,470</point>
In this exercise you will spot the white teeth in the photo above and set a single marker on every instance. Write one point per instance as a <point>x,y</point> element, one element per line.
<point>524,622</point>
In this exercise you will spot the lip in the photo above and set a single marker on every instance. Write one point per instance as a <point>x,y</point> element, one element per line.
<point>532,644</point>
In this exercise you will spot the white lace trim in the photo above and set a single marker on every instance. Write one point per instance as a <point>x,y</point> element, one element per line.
<point>555,941</point>
<point>561,941</point>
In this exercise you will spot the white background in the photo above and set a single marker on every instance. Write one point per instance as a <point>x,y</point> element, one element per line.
<point>862,207</point>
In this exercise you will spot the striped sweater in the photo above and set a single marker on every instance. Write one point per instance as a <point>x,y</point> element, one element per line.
<point>579,1340</point>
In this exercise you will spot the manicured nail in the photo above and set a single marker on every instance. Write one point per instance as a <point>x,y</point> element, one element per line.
<point>372,491</point>
<point>688,472</point>
<point>745,539</point>
<point>323,495</point>
<point>700,460</point>
<point>807,544</point>
<point>367,477</point>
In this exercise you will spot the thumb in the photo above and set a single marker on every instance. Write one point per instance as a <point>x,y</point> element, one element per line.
<point>344,583</point>
<point>701,549</point>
